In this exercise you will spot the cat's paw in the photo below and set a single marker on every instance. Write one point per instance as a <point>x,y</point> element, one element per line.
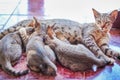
<point>117,55</point>
<point>111,61</point>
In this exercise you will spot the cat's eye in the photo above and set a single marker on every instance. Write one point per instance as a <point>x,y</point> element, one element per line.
<point>98,22</point>
<point>108,23</point>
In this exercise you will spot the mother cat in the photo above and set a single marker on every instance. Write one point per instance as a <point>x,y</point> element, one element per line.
<point>81,33</point>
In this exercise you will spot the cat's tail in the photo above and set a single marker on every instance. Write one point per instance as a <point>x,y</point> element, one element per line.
<point>14,28</point>
<point>10,70</point>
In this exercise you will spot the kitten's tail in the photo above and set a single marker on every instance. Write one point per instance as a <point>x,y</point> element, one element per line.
<point>10,70</point>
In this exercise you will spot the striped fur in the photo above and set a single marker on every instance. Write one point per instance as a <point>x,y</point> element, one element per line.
<point>74,57</point>
<point>11,50</point>
<point>76,33</point>
<point>40,58</point>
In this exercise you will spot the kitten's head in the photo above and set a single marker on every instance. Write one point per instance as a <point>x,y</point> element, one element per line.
<point>35,24</point>
<point>105,20</point>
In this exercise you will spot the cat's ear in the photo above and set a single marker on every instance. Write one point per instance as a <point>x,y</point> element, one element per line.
<point>50,28</point>
<point>96,13</point>
<point>113,15</point>
<point>34,23</point>
<point>31,24</point>
<point>50,31</point>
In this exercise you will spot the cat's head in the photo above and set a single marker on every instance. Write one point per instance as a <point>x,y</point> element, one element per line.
<point>35,24</point>
<point>105,20</point>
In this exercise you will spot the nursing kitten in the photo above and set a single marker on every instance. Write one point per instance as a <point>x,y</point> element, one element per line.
<point>11,47</point>
<point>74,57</point>
<point>40,58</point>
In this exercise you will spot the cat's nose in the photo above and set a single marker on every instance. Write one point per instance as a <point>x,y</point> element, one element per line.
<point>103,26</point>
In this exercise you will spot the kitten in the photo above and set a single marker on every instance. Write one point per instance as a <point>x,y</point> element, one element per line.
<point>40,58</point>
<point>11,50</point>
<point>74,57</point>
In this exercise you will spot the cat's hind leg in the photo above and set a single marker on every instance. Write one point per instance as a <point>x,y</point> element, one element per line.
<point>12,53</point>
<point>7,67</point>
<point>50,53</point>
<point>32,62</point>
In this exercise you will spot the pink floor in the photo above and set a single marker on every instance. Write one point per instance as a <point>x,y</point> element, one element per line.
<point>14,11</point>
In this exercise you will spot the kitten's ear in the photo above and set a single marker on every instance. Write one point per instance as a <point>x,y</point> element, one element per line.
<point>31,24</point>
<point>50,32</point>
<point>34,23</point>
<point>113,15</point>
<point>50,28</point>
<point>96,13</point>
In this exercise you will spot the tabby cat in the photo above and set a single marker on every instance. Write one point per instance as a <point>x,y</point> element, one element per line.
<point>11,50</point>
<point>76,33</point>
<point>74,57</point>
<point>40,58</point>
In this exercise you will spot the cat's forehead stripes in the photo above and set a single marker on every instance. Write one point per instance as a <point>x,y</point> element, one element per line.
<point>105,17</point>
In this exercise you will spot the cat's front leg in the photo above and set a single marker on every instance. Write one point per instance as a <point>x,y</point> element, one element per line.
<point>109,52</point>
<point>89,42</point>
<point>103,43</point>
